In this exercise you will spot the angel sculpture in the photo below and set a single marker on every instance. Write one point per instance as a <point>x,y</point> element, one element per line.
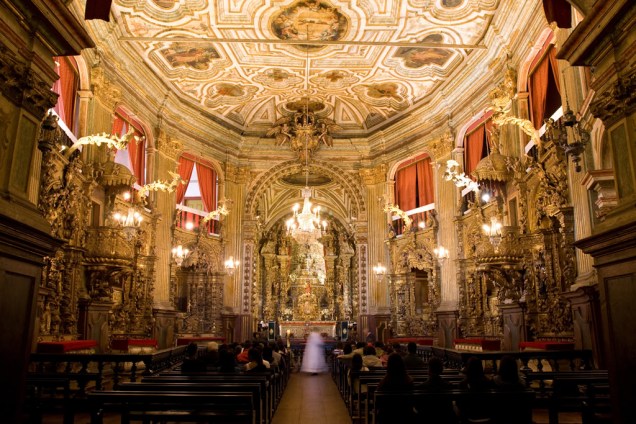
<point>327,126</point>
<point>281,131</point>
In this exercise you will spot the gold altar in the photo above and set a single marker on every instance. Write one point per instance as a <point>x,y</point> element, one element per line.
<point>301,329</point>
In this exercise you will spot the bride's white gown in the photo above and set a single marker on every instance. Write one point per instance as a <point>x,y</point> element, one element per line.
<point>314,356</point>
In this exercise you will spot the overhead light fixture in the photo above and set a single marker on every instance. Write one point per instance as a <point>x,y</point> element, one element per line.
<point>130,220</point>
<point>493,231</point>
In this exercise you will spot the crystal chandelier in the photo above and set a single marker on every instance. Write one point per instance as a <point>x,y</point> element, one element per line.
<point>305,226</point>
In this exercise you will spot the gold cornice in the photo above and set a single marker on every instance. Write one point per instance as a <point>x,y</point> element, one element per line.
<point>104,89</point>
<point>375,175</point>
<point>236,174</point>
<point>167,146</point>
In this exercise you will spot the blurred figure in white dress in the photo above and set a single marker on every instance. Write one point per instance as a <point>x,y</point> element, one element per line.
<point>314,356</point>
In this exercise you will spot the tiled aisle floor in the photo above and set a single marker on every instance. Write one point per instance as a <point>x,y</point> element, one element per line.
<point>311,399</point>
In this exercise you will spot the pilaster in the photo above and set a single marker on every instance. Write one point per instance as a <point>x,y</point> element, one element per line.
<point>447,325</point>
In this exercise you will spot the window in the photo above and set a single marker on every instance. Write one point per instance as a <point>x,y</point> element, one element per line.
<point>200,196</point>
<point>134,156</point>
<point>66,87</point>
<point>414,189</point>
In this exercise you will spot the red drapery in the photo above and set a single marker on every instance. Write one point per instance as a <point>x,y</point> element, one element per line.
<point>118,125</point>
<point>559,11</point>
<point>207,186</point>
<point>425,193</point>
<point>137,155</point>
<point>185,172</point>
<point>473,149</point>
<point>538,85</point>
<point>405,183</point>
<point>66,87</point>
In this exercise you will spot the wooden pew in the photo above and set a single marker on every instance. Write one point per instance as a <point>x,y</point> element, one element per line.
<point>505,407</point>
<point>217,407</point>
<point>196,378</point>
<point>255,389</point>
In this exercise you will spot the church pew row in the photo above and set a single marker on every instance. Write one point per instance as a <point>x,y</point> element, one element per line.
<point>152,406</point>
<point>255,389</point>
<point>264,379</point>
<point>362,381</point>
<point>59,382</point>
<point>495,407</point>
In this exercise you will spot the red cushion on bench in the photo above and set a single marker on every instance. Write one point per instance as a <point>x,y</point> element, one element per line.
<point>66,346</point>
<point>486,344</point>
<point>546,345</point>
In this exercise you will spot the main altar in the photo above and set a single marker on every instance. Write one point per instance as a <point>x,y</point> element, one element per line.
<point>301,329</point>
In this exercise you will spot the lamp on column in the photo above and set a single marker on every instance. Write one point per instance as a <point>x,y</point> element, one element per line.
<point>568,135</point>
<point>441,253</point>
<point>179,253</point>
<point>380,271</point>
<point>493,231</point>
<point>231,265</point>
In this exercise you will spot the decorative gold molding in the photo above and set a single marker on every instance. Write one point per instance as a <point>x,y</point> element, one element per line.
<point>395,210</point>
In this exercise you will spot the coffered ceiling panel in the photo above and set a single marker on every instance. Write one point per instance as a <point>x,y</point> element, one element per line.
<point>249,62</point>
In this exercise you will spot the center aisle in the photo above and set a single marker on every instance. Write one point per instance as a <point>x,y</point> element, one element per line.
<point>311,399</point>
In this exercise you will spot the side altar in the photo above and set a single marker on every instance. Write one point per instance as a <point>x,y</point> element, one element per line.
<point>301,329</point>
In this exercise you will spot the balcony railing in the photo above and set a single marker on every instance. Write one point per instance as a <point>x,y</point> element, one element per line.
<point>420,216</point>
<point>186,215</point>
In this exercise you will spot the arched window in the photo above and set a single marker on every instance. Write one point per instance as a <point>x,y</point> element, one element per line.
<point>543,86</point>
<point>414,192</point>
<point>476,143</point>
<point>200,196</point>
<point>66,87</point>
<point>134,156</point>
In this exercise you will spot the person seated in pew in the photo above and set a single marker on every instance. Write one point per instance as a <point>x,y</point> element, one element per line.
<point>411,360</point>
<point>435,382</point>
<point>379,348</point>
<point>397,348</point>
<point>192,363</point>
<point>395,380</point>
<point>438,411</point>
<point>474,409</point>
<point>227,361</point>
<point>356,366</point>
<point>212,357</point>
<point>256,362</point>
<point>370,359</point>
<point>388,350</point>
<point>242,358</point>
<point>268,356</point>
<point>508,377</point>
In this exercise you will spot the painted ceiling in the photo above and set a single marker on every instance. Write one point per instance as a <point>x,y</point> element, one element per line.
<point>251,62</point>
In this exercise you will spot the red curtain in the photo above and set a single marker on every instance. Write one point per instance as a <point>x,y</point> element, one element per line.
<point>207,186</point>
<point>66,87</point>
<point>98,9</point>
<point>538,85</point>
<point>405,184</point>
<point>559,11</point>
<point>473,149</point>
<point>185,171</point>
<point>137,155</point>
<point>118,125</point>
<point>425,193</point>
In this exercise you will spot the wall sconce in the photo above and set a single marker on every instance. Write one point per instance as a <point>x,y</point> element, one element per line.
<point>179,254</point>
<point>231,265</point>
<point>441,253</point>
<point>493,231</point>
<point>568,135</point>
<point>380,271</point>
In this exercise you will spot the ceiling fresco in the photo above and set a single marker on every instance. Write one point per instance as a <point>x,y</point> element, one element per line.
<point>249,62</point>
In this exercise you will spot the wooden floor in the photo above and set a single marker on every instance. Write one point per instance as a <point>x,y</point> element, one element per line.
<point>311,399</point>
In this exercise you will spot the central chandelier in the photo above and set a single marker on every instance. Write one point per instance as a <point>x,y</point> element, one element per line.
<point>305,226</point>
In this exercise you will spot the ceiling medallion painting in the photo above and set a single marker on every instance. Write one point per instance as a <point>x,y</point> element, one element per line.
<point>309,20</point>
<point>242,62</point>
